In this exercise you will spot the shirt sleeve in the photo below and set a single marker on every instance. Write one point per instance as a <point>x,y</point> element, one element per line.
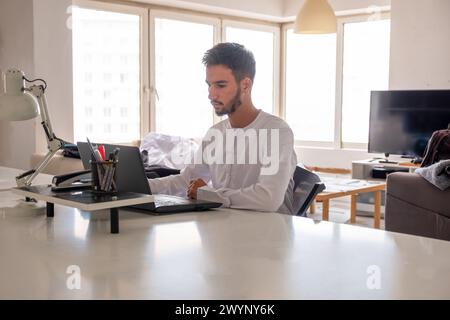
<point>177,185</point>
<point>268,193</point>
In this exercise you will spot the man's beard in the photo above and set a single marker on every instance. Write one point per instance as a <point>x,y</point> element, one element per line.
<point>232,106</point>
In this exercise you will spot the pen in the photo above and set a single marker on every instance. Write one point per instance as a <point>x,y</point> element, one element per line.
<point>103,185</point>
<point>101,148</point>
<point>94,151</point>
<point>116,154</point>
<point>110,176</point>
<point>98,155</point>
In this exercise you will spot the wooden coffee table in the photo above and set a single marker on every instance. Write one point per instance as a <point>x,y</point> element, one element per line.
<point>337,188</point>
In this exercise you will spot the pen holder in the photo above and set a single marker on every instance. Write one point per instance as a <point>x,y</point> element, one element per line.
<point>104,176</point>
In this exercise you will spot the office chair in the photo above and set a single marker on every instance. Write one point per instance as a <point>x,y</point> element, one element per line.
<point>307,185</point>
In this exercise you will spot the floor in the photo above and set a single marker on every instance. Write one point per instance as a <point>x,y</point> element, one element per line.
<point>340,213</point>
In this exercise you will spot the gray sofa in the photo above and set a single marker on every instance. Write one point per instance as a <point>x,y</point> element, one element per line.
<point>415,206</point>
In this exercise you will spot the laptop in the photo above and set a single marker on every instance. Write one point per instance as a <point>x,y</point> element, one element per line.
<point>131,177</point>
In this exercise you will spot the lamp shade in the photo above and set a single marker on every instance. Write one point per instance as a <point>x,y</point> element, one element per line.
<point>15,103</point>
<point>316,16</point>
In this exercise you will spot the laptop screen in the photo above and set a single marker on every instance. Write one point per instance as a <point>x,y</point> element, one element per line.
<point>130,169</point>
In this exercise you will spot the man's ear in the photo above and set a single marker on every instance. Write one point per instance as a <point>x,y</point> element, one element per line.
<point>246,84</point>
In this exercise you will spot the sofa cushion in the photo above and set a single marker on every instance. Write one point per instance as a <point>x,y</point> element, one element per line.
<point>415,190</point>
<point>415,206</point>
<point>404,217</point>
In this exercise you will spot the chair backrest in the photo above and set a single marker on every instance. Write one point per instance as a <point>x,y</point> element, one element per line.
<point>307,185</point>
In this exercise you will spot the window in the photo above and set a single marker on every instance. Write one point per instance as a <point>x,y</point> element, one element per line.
<point>98,74</point>
<point>329,79</point>
<point>107,77</point>
<point>263,41</point>
<point>107,112</point>
<point>181,100</point>
<point>326,79</point>
<point>89,128</point>
<point>365,68</point>
<point>87,58</point>
<point>310,86</point>
<point>88,111</point>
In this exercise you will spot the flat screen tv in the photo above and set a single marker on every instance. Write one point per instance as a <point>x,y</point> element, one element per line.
<point>401,122</point>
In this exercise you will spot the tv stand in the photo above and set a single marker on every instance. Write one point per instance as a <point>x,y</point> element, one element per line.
<point>376,170</point>
<point>364,169</point>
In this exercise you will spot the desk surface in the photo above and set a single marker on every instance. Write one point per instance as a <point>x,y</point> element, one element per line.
<point>220,254</point>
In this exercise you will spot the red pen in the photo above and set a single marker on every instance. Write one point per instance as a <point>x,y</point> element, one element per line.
<point>101,148</point>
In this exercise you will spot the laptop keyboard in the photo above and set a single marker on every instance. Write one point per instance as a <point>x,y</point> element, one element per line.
<point>164,201</point>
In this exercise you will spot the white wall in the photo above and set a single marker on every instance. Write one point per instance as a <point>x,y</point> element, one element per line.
<point>34,38</point>
<point>420,44</point>
<point>277,9</point>
<point>16,50</point>
<point>291,7</point>
<point>331,158</point>
<point>269,9</point>
<point>53,63</point>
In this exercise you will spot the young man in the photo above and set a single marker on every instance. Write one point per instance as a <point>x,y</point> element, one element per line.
<point>246,161</point>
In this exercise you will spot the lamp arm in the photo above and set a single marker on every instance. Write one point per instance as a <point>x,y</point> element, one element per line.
<point>53,143</point>
<point>38,92</point>
<point>26,178</point>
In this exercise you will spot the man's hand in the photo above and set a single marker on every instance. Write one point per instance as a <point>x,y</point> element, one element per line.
<point>192,190</point>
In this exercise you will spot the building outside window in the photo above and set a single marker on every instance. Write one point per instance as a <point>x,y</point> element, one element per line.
<point>97,40</point>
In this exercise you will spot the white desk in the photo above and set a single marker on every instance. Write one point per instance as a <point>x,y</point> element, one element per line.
<point>221,254</point>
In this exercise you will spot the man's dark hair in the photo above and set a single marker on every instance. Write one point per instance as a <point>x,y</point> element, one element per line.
<point>234,56</point>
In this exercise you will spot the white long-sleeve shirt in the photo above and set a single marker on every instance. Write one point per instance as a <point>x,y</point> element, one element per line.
<point>263,185</point>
